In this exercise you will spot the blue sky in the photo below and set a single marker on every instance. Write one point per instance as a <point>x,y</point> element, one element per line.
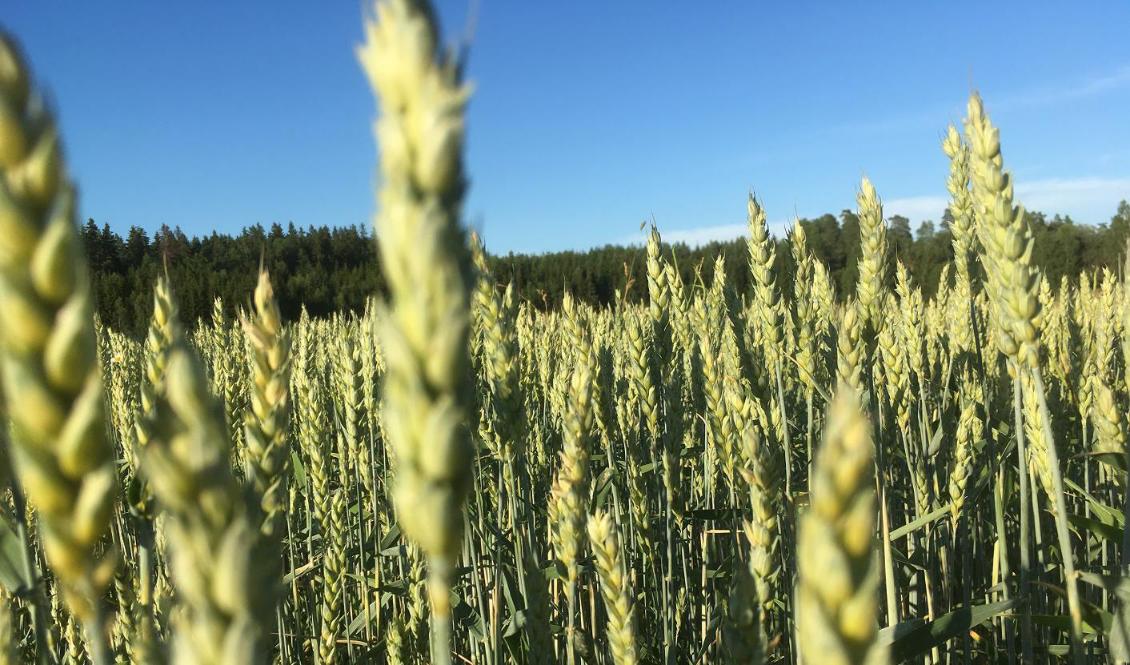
<point>587,117</point>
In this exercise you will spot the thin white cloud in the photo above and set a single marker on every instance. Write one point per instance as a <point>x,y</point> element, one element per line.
<point>916,208</point>
<point>939,113</point>
<point>696,237</point>
<point>1086,199</point>
<point>1094,85</point>
<point>705,234</point>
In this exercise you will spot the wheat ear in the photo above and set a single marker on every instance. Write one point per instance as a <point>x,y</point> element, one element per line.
<point>837,594</point>
<point>425,260</point>
<point>64,460</point>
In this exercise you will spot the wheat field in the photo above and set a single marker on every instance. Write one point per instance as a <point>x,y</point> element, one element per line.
<point>457,477</point>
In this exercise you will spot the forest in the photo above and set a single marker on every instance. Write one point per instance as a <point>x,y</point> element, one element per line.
<point>328,270</point>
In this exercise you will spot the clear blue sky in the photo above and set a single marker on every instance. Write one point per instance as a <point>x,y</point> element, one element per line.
<point>587,117</point>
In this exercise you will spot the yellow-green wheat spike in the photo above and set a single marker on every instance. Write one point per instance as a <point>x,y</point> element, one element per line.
<point>266,422</point>
<point>224,597</point>
<point>615,587</point>
<point>837,594</point>
<point>424,257</point>
<point>64,460</point>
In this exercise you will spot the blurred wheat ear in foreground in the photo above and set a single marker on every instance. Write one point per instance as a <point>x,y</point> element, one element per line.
<point>63,458</point>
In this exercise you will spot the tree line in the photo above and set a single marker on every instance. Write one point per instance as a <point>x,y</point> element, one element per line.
<point>330,270</point>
